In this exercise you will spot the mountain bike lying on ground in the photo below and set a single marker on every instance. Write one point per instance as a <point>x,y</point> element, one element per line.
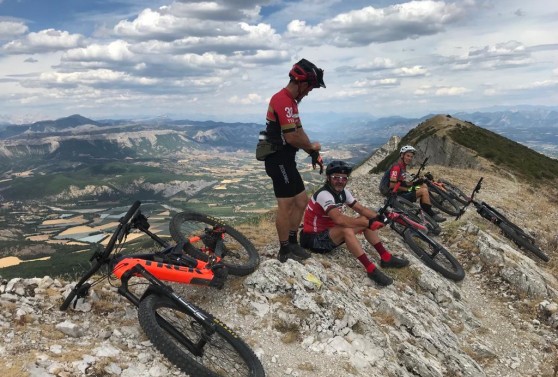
<point>417,214</point>
<point>521,238</point>
<point>191,338</point>
<point>428,250</point>
<point>440,197</point>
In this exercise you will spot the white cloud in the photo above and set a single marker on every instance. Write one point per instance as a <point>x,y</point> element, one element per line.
<point>360,27</point>
<point>44,41</point>
<point>414,71</point>
<point>451,91</point>
<point>11,29</point>
<point>115,51</point>
<point>400,57</point>
<point>251,98</point>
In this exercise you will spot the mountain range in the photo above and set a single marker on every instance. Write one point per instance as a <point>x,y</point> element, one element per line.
<point>159,137</point>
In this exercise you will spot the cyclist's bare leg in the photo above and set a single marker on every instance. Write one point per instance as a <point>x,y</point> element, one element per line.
<point>422,194</point>
<point>371,236</point>
<point>339,234</point>
<point>283,218</point>
<point>301,200</point>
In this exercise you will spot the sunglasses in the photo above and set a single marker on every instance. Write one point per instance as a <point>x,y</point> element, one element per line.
<point>340,178</point>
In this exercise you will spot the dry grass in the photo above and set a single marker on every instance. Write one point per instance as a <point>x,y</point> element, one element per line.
<point>290,330</point>
<point>409,276</point>
<point>384,318</point>
<point>349,368</point>
<point>483,360</point>
<point>261,231</point>
<point>307,366</point>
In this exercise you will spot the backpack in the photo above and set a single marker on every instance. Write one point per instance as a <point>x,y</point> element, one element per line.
<point>384,183</point>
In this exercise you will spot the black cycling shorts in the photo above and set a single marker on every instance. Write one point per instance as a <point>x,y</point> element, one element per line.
<point>287,182</point>
<point>409,195</point>
<point>317,242</point>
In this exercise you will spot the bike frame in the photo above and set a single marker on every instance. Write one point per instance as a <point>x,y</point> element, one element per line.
<point>400,218</point>
<point>490,213</point>
<point>164,290</point>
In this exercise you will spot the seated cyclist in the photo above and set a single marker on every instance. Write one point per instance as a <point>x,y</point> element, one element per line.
<point>409,190</point>
<point>326,227</point>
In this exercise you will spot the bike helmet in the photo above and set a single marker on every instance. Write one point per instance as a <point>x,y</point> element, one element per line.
<point>338,167</point>
<point>407,148</point>
<point>305,71</point>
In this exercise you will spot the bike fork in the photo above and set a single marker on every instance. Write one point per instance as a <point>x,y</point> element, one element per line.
<point>160,288</point>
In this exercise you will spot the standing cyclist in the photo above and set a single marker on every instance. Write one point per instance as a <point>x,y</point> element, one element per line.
<point>408,190</point>
<point>285,132</point>
<point>326,227</point>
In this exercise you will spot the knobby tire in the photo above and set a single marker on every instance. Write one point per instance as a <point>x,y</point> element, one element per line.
<point>224,355</point>
<point>455,192</point>
<point>522,240</point>
<point>413,211</point>
<point>443,201</point>
<point>443,262</point>
<point>242,257</point>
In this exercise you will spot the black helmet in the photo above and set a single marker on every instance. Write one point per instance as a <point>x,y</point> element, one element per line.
<point>306,71</point>
<point>338,167</point>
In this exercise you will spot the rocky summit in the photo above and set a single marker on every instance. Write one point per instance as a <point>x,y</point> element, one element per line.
<point>324,317</point>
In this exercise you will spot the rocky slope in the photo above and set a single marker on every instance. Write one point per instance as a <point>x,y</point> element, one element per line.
<point>324,317</point>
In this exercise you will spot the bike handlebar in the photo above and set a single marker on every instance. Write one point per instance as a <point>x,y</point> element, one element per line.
<point>421,167</point>
<point>117,235</point>
<point>124,220</point>
<point>471,198</point>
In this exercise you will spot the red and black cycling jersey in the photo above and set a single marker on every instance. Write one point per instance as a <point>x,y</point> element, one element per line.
<point>282,117</point>
<point>316,218</point>
<point>398,172</point>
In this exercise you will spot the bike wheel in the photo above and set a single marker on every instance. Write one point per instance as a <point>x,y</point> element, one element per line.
<point>455,192</point>
<point>417,215</point>
<point>174,332</point>
<point>443,201</point>
<point>240,255</point>
<point>522,240</point>
<point>434,255</point>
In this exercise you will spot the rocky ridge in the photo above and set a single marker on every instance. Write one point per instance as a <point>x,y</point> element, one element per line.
<point>324,317</point>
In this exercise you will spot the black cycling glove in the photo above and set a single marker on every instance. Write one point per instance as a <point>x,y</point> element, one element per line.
<point>317,160</point>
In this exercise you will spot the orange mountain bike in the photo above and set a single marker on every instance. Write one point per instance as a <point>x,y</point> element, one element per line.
<point>191,338</point>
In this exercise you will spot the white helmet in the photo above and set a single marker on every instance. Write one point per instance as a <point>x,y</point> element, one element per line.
<point>407,148</point>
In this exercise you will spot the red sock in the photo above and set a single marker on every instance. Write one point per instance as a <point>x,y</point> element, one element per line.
<point>369,266</point>
<point>384,254</point>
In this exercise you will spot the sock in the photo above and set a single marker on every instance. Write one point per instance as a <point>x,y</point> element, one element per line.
<point>384,254</point>
<point>369,266</point>
<point>427,208</point>
<point>292,236</point>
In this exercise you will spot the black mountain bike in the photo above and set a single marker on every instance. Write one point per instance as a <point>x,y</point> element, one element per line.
<point>521,238</point>
<point>191,338</point>
<point>439,195</point>
<point>429,251</point>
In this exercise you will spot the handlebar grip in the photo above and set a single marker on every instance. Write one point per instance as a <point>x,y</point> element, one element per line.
<point>130,213</point>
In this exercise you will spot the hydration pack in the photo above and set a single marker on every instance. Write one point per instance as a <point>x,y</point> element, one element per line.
<point>384,183</point>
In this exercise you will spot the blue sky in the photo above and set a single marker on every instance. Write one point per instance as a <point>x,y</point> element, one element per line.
<point>222,60</point>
